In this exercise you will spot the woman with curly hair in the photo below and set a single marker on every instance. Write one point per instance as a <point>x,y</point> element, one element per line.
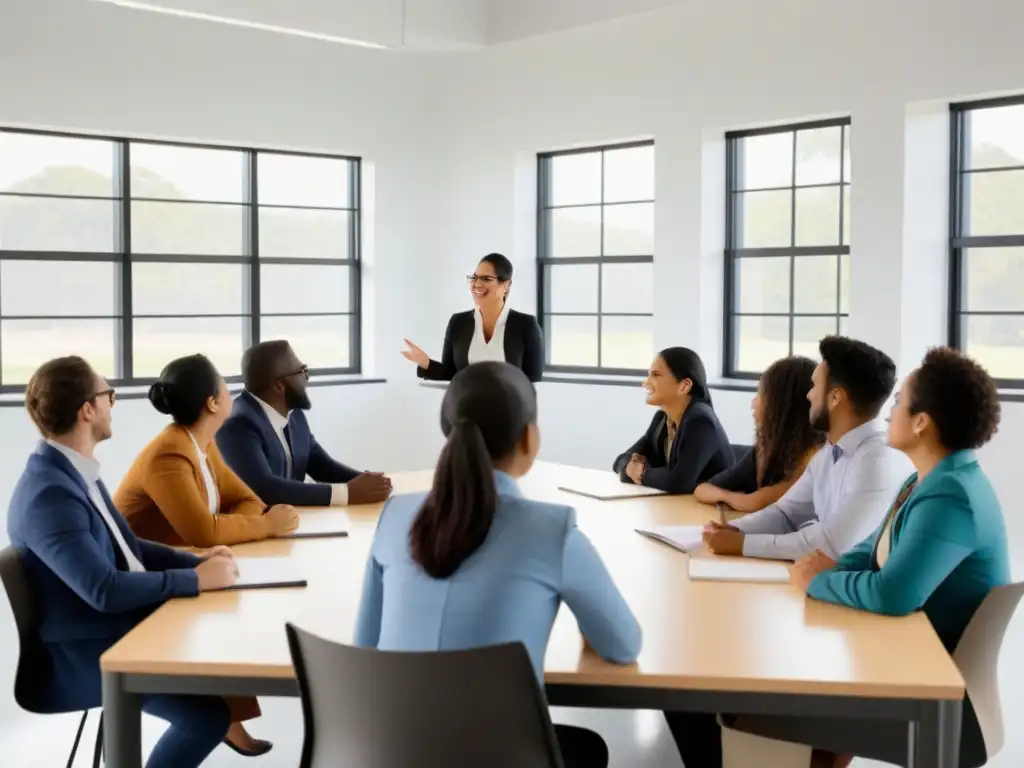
<point>941,548</point>
<point>783,443</point>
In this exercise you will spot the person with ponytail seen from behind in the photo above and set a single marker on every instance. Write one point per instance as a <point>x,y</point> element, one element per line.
<point>784,441</point>
<point>179,491</point>
<point>472,563</point>
<point>685,444</point>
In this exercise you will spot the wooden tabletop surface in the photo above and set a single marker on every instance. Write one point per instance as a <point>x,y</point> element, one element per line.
<point>699,635</point>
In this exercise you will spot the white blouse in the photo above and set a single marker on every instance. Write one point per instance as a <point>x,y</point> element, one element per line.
<point>212,496</point>
<point>480,349</point>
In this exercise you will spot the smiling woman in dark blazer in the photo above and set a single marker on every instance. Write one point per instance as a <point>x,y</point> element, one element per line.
<point>492,331</point>
<point>685,444</point>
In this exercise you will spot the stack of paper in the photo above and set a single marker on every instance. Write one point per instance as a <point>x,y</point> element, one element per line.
<point>685,538</point>
<point>737,569</point>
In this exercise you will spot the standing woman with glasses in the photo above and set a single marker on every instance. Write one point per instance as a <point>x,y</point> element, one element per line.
<point>492,331</point>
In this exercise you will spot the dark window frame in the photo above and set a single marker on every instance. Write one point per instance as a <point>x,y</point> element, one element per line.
<point>733,252</point>
<point>544,260</point>
<point>959,143</point>
<point>123,256</point>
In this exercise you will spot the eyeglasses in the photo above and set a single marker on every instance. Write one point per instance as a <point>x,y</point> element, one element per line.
<point>109,393</point>
<point>488,279</point>
<point>303,372</point>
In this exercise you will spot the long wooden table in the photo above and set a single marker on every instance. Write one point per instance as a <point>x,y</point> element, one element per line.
<point>708,646</point>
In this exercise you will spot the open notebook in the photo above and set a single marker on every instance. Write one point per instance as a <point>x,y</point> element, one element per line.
<point>737,569</point>
<point>606,486</point>
<point>685,538</point>
<point>267,572</point>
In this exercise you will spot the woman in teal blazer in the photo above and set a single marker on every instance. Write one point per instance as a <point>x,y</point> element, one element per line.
<point>941,548</point>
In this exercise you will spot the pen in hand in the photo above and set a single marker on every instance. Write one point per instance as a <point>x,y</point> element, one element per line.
<point>721,512</point>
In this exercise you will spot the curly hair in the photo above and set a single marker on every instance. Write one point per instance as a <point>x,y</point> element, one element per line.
<point>959,396</point>
<point>784,435</point>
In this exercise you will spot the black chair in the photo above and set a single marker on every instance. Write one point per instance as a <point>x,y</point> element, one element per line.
<point>459,709</point>
<point>30,660</point>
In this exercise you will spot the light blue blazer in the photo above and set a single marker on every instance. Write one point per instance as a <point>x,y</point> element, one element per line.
<point>510,589</point>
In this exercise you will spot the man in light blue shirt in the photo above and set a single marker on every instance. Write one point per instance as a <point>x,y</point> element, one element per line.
<point>848,485</point>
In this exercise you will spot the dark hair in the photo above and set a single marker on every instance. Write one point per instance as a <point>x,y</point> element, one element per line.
<point>867,374</point>
<point>684,363</point>
<point>259,364</point>
<point>184,387</point>
<point>502,266</point>
<point>57,391</point>
<point>485,412</point>
<point>959,395</point>
<point>785,435</point>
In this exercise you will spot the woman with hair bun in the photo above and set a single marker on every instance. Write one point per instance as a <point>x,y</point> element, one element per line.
<point>179,491</point>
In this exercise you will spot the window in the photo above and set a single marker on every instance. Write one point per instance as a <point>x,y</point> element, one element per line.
<point>131,253</point>
<point>987,236</point>
<point>787,242</point>
<point>595,248</point>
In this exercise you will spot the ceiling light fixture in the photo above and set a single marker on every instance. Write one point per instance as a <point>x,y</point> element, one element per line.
<point>143,6</point>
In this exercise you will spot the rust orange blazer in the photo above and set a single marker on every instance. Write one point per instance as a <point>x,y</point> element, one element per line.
<point>163,496</point>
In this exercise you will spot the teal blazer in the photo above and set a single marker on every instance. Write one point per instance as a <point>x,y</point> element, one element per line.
<point>948,550</point>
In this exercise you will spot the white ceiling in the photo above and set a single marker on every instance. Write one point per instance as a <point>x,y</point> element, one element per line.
<point>404,24</point>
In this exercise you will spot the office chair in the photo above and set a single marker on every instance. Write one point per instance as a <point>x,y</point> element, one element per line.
<point>459,709</point>
<point>23,606</point>
<point>977,658</point>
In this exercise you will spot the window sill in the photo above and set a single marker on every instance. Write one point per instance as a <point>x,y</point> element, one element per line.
<point>141,391</point>
<point>1011,395</point>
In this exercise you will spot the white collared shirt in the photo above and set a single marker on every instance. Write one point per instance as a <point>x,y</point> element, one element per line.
<point>339,491</point>
<point>89,469</point>
<point>480,349</point>
<point>212,495</point>
<point>837,502</point>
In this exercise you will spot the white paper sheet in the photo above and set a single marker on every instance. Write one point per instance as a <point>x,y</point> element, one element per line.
<point>737,569</point>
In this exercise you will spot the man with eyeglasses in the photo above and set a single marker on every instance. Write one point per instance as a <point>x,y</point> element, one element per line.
<point>268,442</point>
<point>92,579</point>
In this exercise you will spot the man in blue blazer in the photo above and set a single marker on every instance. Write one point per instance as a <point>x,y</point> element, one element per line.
<point>93,579</point>
<point>268,443</point>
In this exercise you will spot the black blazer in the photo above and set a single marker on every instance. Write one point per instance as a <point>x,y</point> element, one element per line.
<point>700,450</point>
<point>524,346</point>
<point>250,446</point>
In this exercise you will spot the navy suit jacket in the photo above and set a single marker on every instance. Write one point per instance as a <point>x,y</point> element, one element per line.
<point>86,597</point>
<point>701,449</point>
<point>250,446</point>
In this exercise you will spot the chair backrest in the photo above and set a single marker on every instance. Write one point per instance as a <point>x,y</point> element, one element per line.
<point>459,709</point>
<point>23,606</point>
<point>977,657</point>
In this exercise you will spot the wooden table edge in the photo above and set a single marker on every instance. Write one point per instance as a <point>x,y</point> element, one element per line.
<point>642,682</point>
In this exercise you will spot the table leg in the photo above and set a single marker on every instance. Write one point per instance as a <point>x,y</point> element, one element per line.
<point>935,741</point>
<point>122,723</point>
